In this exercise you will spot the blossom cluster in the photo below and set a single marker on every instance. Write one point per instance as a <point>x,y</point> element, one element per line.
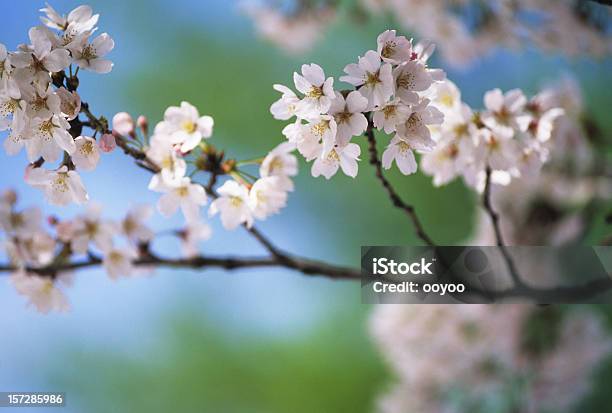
<point>471,358</point>
<point>181,138</point>
<point>552,207</point>
<point>391,85</point>
<point>33,243</point>
<point>466,30</point>
<point>471,29</point>
<point>39,102</point>
<point>511,136</point>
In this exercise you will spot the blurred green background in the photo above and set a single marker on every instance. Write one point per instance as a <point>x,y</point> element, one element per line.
<point>255,341</point>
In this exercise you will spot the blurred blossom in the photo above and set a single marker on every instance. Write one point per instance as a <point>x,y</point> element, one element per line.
<point>464,29</point>
<point>294,33</point>
<point>550,207</point>
<point>483,352</point>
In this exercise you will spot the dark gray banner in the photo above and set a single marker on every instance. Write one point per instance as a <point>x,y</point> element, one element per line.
<point>536,274</point>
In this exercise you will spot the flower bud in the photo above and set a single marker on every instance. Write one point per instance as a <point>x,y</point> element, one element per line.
<point>107,143</point>
<point>143,124</point>
<point>123,124</point>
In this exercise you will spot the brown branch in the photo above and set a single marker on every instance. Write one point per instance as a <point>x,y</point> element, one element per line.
<point>395,198</point>
<point>304,266</point>
<point>486,202</point>
<point>278,257</point>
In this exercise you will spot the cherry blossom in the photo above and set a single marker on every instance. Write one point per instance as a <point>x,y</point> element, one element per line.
<point>133,226</point>
<point>90,56</point>
<point>400,151</point>
<point>86,156</point>
<point>330,160</point>
<point>411,77</point>
<point>118,261</point>
<point>392,48</point>
<point>267,196</point>
<point>183,194</point>
<point>195,232</point>
<point>61,186</point>
<point>317,90</point>
<point>41,292</point>
<point>184,127</point>
<point>233,205</point>
<point>391,114</point>
<point>374,77</point>
<point>348,115</point>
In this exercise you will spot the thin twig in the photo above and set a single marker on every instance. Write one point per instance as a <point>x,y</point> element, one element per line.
<point>499,239</point>
<point>395,198</point>
<point>278,257</point>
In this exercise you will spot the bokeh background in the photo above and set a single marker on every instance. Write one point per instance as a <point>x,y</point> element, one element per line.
<point>258,340</point>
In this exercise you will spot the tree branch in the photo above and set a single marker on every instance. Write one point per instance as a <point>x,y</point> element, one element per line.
<point>304,266</point>
<point>395,198</point>
<point>486,202</point>
<point>278,258</point>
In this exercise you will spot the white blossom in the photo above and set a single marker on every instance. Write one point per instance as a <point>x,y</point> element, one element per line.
<point>79,20</point>
<point>281,162</point>
<point>374,77</point>
<point>302,136</point>
<point>133,226</point>
<point>392,48</point>
<point>497,151</point>
<point>183,194</point>
<point>163,153</point>
<point>47,138</point>
<point>323,129</point>
<point>415,128</point>
<point>90,56</point>
<point>233,205</point>
<point>184,127</point>
<point>349,117</point>
<point>91,228</point>
<point>330,160</point>
<point>70,103</point>
<point>21,224</point>
<point>195,232</point>
<point>41,292</point>
<point>61,186</point>
<point>317,90</point>
<point>391,114</point>
<point>87,154</point>
<point>43,102</point>
<point>287,106</point>
<point>41,59</point>
<point>400,151</point>
<point>119,261</point>
<point>411,77</point>
<point>505,112</point>
<point>36,249</point>
<point>267,196</point>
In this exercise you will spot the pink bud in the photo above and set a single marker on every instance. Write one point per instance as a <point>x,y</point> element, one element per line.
<point>143,124</point>
<point>107,143</point>
<point>123,123</point>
